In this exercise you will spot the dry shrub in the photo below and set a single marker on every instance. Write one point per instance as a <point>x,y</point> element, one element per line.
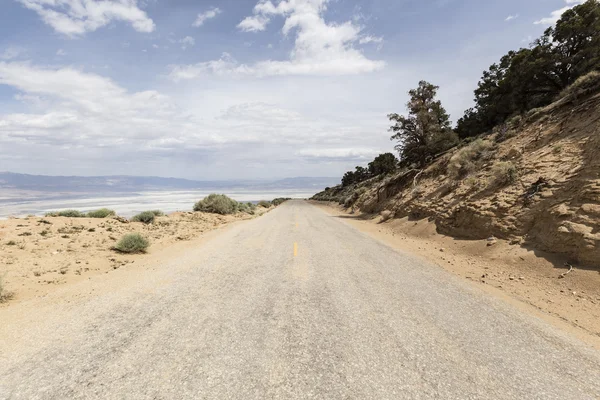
<point>101,213</point>
<point>469,158</point>
<point>217,204</point>
<point>505,173</point>
<point>583,86</point>
<point>132,243</point>
<point>147,217</point>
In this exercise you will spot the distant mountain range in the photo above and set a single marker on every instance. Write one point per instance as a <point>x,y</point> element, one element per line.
<point>10,180</point>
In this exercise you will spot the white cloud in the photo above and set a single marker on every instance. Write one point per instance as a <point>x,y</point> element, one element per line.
<point>77,17</point>
<point>511,17</point>
<point>205,16</point>
<point>320,48</point>
<point>255,23</point>
<point>370,39</point>
<point>187,41</point>
<point>556,14</point>
<point>61,53</point>
<point>354,154</point>
<point>11,53</point>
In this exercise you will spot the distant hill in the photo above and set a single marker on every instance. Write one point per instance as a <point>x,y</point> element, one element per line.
<point>11,180</point>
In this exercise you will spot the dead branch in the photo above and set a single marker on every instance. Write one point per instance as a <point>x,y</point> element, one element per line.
<point>566,273</point>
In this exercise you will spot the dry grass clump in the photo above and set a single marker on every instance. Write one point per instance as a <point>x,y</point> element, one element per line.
<point>505,173</point>
<point>101,213</point>
<point>66,213</point>
<point>147,217</point>
<point>132,243</point>
<point>583,86</point>
<point>469,158</point>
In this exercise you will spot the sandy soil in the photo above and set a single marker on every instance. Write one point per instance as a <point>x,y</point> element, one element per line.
<point>533,278</point>
<point>39,255</point>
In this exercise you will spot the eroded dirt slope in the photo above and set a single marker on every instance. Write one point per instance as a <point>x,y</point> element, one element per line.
<point>535,181</point>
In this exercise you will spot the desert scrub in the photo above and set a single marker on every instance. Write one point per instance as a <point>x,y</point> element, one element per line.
<point>147,217</point>
<point>217,204</point>
<point>132,243</point>
<point>157,213</point>
<point>583,86</point>
<point>264,204</point>
<point>280,200</point>
<point>504,173</point>
<point>248,208</point>
<point>101,213</point>
<point>66,213</point>
<point>469,158</point>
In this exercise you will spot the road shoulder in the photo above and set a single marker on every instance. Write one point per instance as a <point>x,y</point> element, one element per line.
<point>520,277</point>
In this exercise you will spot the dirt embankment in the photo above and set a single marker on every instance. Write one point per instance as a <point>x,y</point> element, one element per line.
<point>534,182</point>
<point>39,255</point>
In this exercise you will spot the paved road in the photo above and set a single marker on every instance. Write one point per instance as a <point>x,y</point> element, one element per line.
<point>297,305</point>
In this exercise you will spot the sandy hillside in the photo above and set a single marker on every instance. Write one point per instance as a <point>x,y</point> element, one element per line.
<point>534,182</point>
<point>38,255</point>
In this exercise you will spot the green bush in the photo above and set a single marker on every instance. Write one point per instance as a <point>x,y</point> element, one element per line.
<point>66,213</point>
<point>157,213</point>
<point>467,159</point>
<point>217,204</point>
<point>132,243</point>
<point>264,203</point>
<point>101,213</point>
<point>147,217</point>
<point>246,207</point>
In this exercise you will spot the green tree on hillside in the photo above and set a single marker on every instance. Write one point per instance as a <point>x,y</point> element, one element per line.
<point>534,77</point>
<point>383,164</point>
<point>426,130</point>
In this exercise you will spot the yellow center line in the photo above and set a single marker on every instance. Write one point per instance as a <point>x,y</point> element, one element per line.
<point>295,249</point>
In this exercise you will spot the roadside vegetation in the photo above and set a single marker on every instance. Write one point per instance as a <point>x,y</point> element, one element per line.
<point>101,213</point>
<point>132,243</point>
<point>224,205</point>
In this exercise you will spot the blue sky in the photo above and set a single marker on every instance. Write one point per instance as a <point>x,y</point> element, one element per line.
<point>228,89</point>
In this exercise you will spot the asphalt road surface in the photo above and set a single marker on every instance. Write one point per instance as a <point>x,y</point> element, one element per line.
<point>295,305</point>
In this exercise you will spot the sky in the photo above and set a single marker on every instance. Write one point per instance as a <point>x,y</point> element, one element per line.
<point>235,89</point>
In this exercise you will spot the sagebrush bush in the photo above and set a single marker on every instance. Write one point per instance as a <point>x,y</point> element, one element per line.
<point>264,203</point>
<point>147,217</point>
<point>66,213</point>
<point>217,204</point>
<point>467,159</point>
<point>157,213</point>
<point>246,207</point>
<point>280,200</point>
<point>101,213</point>
<point>132,243</point>
<point>504,173</point>
<point>583,86</point>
